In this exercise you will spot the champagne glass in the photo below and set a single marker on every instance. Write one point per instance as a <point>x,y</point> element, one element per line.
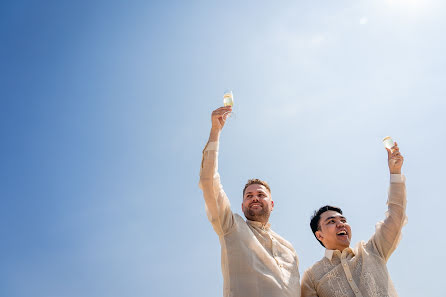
<point>228,100</point>
<point>388,142</point>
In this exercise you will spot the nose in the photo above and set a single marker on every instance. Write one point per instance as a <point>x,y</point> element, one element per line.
<point>340,224</point>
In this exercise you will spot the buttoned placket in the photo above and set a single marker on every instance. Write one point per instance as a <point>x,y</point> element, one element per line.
<point>274,249</point>
<point>348,274</point>
<point>273,245</point>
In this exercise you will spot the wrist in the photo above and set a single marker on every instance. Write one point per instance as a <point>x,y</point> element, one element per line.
<point>395,171</point>
<point>215,134</point>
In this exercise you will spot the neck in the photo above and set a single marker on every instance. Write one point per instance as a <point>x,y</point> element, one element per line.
<point>339,248</point>
<point>263,222</point>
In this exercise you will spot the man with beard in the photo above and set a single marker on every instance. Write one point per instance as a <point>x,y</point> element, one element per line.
<point>359,272</point>
<point>256,261</point>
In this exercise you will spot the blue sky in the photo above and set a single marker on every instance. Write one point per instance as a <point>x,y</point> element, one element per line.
<point>105,109</point>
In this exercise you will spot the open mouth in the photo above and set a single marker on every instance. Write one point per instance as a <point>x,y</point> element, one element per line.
<point>342,233</point>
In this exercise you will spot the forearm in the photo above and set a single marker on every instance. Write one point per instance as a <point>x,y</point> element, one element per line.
<point>397,190</point>
<point>214,135</point>
<point>209,162</point>
<point>396,204</point>
<point>388,232</point>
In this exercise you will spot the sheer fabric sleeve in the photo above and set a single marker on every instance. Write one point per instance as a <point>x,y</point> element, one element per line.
<point>388,232</point>
<point>307,286</point>
<point>218,208</point>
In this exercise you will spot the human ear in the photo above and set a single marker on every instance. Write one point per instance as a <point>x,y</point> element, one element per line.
<point>319,235</point>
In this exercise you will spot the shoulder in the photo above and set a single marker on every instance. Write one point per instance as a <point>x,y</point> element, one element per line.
<point>240,223</point>
<point>318,264</point>
<point>360,246</point>
<point>318,270</point>
<point>309,274</point>
<point>239,218</point>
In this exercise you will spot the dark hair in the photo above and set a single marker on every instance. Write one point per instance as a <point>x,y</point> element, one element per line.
<point>256,181</point>
<point>314,223</point>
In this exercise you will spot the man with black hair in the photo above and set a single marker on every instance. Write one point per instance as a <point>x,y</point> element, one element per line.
<point>362,271</point>
<point>256,261</point>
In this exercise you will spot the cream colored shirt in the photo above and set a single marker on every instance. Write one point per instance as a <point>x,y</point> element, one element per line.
<point>255,261</point>
<point>362,272</point>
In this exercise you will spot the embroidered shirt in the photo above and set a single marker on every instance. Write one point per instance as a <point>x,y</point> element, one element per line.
<point>255,261</point>
<point>362,272</point>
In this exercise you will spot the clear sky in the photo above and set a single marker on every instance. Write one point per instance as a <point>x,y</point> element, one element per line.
<point>105,109</point>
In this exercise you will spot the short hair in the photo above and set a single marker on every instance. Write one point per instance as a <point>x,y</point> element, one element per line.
<point>314,223</point>
<point>256,181</point>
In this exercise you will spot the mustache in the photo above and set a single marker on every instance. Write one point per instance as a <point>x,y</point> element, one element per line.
<point>252,203</point>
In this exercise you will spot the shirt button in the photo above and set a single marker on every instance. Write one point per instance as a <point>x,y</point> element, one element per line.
<point>345,264</point>
<point>350,279</point>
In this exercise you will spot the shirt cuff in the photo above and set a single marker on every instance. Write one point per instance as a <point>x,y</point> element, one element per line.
<point>212,146</point>
<point>397,179</point>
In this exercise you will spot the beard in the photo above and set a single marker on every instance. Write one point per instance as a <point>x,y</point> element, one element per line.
<point>260,215</point>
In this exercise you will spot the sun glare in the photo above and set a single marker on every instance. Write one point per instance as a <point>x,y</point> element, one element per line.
<point>410,6</point>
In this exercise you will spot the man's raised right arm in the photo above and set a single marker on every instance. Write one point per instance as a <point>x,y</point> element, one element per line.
<point>218,208</point>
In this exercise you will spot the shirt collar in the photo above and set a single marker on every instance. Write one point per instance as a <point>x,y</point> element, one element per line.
<point>258,224</point>
<point>329,253</point>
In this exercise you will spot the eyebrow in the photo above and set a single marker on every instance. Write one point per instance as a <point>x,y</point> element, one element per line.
<point>333,217</point>
<point>260,191</point>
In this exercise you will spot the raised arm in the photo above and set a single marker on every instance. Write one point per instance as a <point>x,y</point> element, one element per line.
<point>218,208</point>
<point>388,232</point>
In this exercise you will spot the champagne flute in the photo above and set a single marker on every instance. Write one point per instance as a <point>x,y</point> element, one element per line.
<point>228,100</point>
<point>388,142</point>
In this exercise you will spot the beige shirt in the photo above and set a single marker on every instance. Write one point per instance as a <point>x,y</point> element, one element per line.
<point>255,261</point>
<point>362,272</point>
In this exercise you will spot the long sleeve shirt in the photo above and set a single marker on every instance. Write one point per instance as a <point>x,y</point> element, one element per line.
<point>255,261</point>
<point>362,271</point>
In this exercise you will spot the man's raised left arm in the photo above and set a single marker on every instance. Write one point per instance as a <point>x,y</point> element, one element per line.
<point>388,232</point>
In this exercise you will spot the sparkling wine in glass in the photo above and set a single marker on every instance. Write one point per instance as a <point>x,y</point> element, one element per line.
<point>388,142</point>
<point>228,98</point>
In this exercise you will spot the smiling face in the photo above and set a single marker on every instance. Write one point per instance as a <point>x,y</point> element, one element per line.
<point>334,231</point>
<point>257,204</point>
